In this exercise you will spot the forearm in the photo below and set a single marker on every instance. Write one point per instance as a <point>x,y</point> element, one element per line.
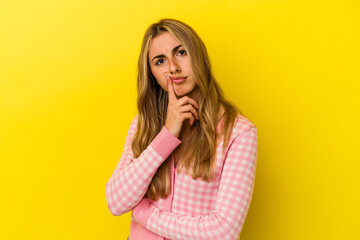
<point>128,184</point>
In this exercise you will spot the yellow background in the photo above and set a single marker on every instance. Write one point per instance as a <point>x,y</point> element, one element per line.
<point>68,95</point>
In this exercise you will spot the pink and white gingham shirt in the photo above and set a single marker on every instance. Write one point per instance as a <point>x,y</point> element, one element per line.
<point>195,209</point>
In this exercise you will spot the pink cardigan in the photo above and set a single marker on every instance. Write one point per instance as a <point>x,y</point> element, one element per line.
<point>195,209</point>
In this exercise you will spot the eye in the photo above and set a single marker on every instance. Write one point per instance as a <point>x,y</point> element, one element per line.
<point>158,62</point>
<point>184,52</point>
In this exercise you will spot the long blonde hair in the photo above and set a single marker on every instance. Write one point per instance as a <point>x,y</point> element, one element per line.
<point>200,149</point>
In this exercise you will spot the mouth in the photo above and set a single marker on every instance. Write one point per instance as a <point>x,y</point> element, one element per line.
<point>178,79</point>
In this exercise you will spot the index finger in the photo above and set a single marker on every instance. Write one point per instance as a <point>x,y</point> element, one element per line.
<point>171,92</point>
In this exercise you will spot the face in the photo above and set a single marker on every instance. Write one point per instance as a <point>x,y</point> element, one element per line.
<point>168,57</point>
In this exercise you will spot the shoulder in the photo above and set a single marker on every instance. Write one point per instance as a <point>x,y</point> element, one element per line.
<point>242,125</point>
<point>135,119</point>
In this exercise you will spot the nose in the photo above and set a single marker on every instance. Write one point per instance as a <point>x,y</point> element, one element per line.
<point>173,66</point>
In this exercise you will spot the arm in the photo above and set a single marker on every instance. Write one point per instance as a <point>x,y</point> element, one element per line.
<point>232,203</point>
<point>132,177</point>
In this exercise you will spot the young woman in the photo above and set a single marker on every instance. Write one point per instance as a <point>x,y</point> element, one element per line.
<point>188,166</point>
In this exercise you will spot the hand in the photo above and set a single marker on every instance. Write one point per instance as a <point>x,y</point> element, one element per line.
<point>178,110</point>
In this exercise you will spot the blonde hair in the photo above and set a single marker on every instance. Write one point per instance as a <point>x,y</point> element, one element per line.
<point>200,149</point>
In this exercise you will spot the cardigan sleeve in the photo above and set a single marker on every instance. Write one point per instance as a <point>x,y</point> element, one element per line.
<point>132,177</point>
<point>232,203</point>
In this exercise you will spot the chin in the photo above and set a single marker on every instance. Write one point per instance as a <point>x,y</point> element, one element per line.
<point>181,94</point>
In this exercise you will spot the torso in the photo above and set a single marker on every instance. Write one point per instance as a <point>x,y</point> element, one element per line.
<point>176,156</point>
<point>177,152</point>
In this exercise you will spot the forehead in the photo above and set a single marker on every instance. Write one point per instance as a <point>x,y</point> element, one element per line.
<point>162,44</point>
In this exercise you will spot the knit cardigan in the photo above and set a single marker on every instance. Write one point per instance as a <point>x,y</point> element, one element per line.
<point>195,209</point>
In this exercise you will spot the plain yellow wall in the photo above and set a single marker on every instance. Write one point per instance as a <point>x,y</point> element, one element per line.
<point>68,95</point>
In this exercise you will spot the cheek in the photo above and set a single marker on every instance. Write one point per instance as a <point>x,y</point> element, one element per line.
<point>160,78</point>
<point>162,82</point>
<point>188,66</point>
<point>164,85</point>
<point>157,73</point>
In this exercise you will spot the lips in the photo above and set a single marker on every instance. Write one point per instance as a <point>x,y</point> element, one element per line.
<point>178,79</point>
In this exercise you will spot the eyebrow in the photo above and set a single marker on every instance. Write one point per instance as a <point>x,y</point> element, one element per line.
<point>162,55</point>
